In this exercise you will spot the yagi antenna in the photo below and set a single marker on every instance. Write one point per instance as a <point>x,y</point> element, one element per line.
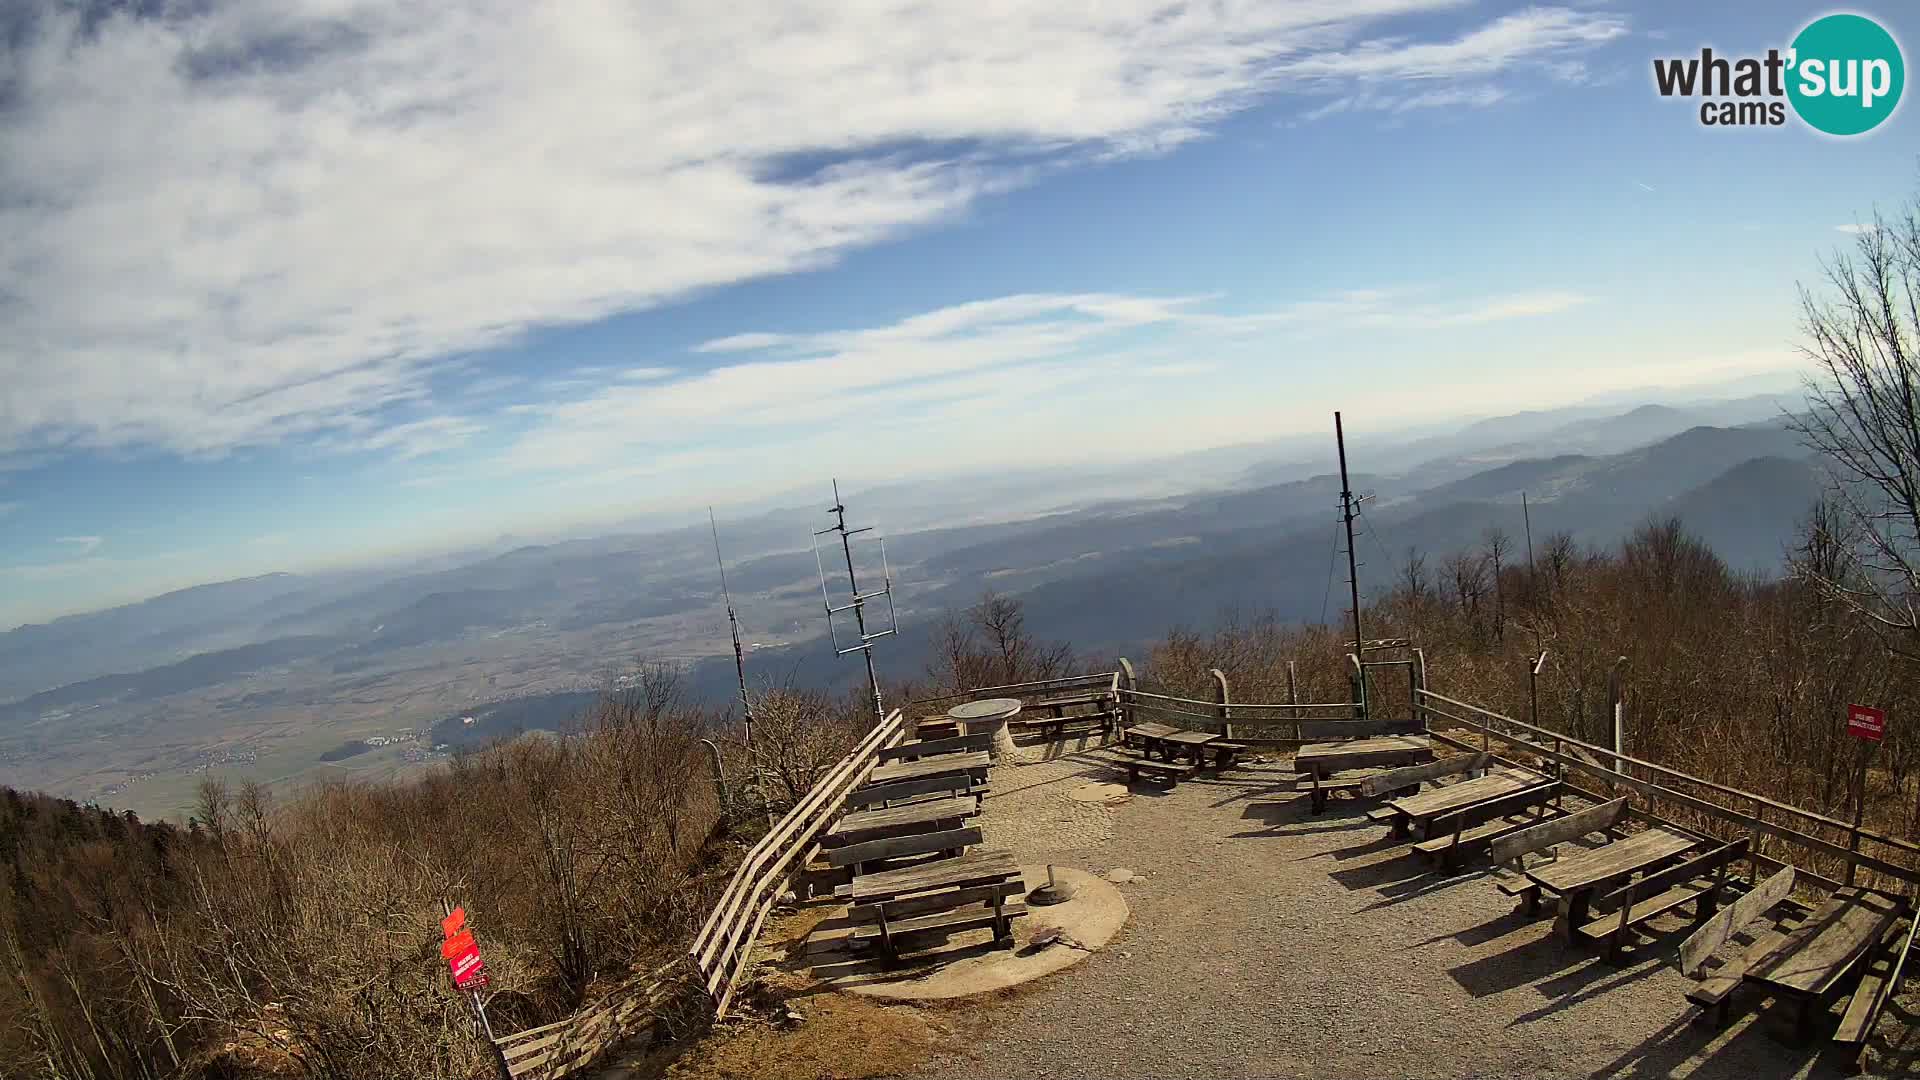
<point>863,640</point>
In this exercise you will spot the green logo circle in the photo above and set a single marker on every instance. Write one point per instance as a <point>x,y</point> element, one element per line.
<point>1845,74</point>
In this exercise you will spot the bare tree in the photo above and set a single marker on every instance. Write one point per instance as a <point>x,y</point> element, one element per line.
<point>1497,543</point>
<point>1864,418</point>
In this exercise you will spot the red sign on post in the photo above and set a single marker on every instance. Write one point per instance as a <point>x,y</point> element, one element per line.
<point>462,953</point>
<point>1865,722</point>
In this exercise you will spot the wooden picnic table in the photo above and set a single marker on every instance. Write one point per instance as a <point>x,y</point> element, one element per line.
<point>1420,810</point>
<point>1812,960</point>
<point>941,765</point>
<point>1575,878</point>
<point>1323,759</point>
<point>1150,736</point>
<point>912,817</point>
<point>1192,742</point>
<point>975,868</point>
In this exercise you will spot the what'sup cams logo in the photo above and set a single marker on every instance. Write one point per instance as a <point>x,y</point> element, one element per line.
<point>1842,75</point>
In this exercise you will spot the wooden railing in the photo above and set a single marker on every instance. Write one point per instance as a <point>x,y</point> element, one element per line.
<point>1756,815</point>
<point>1097,680</point>
<point>552,1051</point>
<point>724,946</point>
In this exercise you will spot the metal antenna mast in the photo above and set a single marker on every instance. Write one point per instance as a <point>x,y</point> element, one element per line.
<point>733,624</point>
<point>1347,512</point>
<point>858,601</point>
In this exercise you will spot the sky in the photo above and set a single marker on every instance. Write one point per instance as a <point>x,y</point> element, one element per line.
<point>298,285</point>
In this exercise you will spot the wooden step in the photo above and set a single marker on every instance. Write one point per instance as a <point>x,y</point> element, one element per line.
<point>1608,925</point>
<point>947,922</point>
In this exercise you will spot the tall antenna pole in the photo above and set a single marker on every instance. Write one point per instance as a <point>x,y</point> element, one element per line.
<point>1347,512</point>
<point>733,625</point>
<point>859,601</point>
<point>1527,517</point>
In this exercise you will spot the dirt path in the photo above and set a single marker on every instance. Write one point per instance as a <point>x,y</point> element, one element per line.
<point>1267,942</point>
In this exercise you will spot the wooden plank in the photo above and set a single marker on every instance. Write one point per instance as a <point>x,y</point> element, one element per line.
<point>1395,779</point>
<point>1679,873</point>
<point>1616,922</point>
<point>1443,800</point>
<point>975,868</point>
<point>868,824</point>
<point>1489,810</point>
<point>975,762</point>
<point>959,783</point>
<point>1715,987</point>
<point>945,900</point>
<point>1149,731</point>
<point>1317,730</point>
<point>1729,920</point>
<point>929,747</point>
<point>895,847</point>
<point>1863,1007</point>
<point>1327,758</point>
<point>947,922</point>
<point>1469,841</point>
<point>1603,866</point>
<point>1823,948</point>
<point>1559,831</point>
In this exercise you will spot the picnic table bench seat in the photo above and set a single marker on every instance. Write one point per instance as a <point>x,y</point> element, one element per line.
<point>1418,812</point>
<point>885,821</point>
<point>1137,765</point>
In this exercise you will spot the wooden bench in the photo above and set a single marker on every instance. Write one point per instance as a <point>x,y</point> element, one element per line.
<point>1471,830</point>
<point>916,817</point>
<point>1225,754</point>
<point>1659,892</point>
<point>1322,787</point>
<point>1810,963</point>
<point>926,748</point>
<point>952,841</point>
<point>1169,771</point>
<point>1878,986</point>
<point>935,897</point>
<point>944,786</point>
<point>935,727</point>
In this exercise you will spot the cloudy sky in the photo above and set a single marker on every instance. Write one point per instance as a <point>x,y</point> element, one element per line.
<point>292,284</point>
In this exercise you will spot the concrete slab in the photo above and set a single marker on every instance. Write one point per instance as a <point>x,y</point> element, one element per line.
<point>968,963</point>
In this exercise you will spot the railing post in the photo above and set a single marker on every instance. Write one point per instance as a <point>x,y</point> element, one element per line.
<point>1293,688</point>
<point>1753,845</point>
<point>1358,680</point>
<point>1128,684</point>
<point>1220,695</point>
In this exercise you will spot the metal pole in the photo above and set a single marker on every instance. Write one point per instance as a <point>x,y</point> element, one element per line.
<point>1533,685</point>
<point>1353,567</point>
<point>1527,517</point>
<point>1859,809</point>
<point>754,777</point>
<point>859,607</point>
<point>1619,712</point>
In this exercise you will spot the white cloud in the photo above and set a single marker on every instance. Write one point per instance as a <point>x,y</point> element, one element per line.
<point>987,350</point>
<point>86,544</point>
<point>240,224</point>
<point>1856,229</point>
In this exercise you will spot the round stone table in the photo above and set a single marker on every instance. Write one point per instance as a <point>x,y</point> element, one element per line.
<point>989,715</point>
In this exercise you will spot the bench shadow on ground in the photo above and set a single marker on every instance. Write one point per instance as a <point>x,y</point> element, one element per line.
<point>1687,1042</point>
<point>1292,815</point>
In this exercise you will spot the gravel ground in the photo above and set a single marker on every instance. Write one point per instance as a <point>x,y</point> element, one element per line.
<point>1264,941</point>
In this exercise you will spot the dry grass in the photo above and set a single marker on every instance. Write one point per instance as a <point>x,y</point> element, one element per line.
<point>842,1037</point>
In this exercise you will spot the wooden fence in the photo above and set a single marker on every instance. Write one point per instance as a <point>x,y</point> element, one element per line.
<point>1754,815</point>
<point>721,951</point>
<point>557,1050</point>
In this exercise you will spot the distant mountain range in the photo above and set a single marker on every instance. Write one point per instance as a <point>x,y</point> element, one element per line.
<point>1102,568</point>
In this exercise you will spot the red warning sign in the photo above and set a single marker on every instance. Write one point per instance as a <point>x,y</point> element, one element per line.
<point>1865,722</point>
<point>461,952</point>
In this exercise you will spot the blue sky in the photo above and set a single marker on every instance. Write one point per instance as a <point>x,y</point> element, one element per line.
<point>345,280</point>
